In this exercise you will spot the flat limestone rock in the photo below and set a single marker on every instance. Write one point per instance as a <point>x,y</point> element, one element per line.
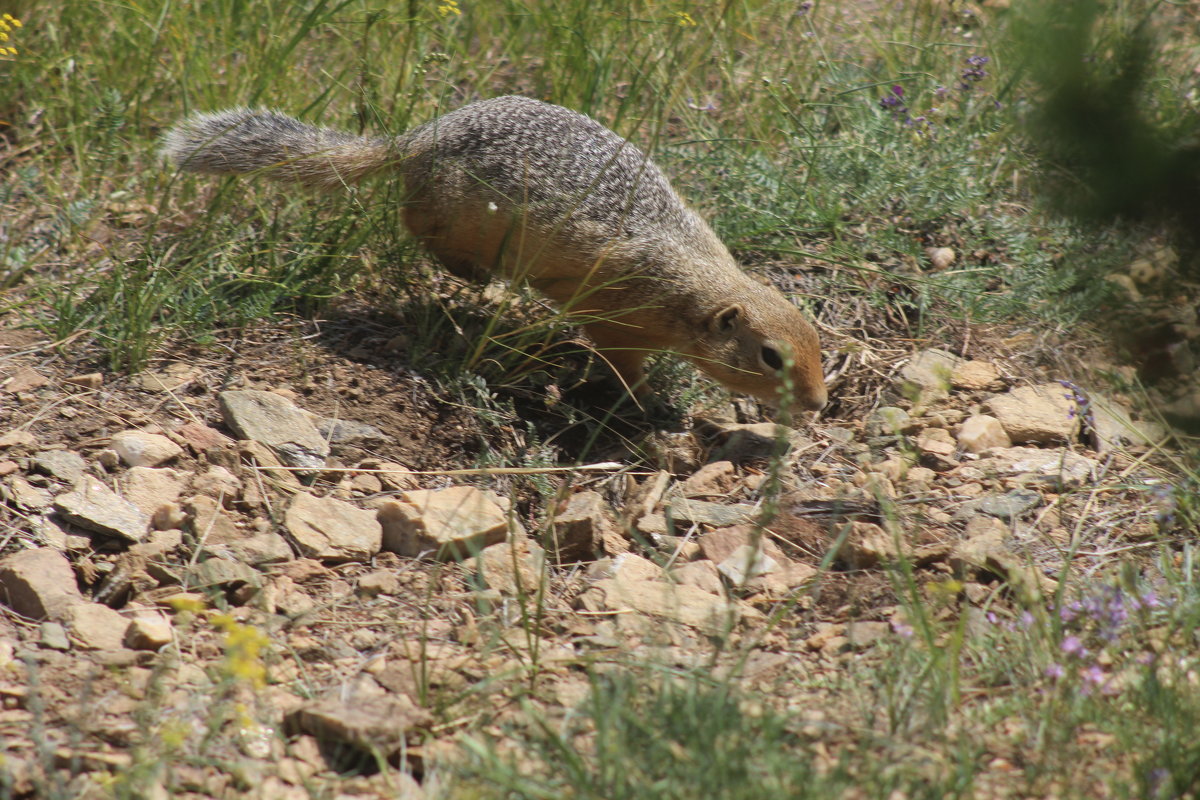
<point>23,380</point>
<point>445,523</point>
<point>94,506</point>
<point>927,376</point>
<point>702,574</point>
<point>974,375</point>
<point>25,494</point>
<point>38,584</point>
<point>66,465</point>
<point>149,488</point>
<point>17,438</point>
<point>374,724</point>
<point>1042,414</point>
<point>273,420</point>
<point>328,529</point>
<point>746,563</point>
<point>681,603</point>
<point>1057,467</point>
<point>222,572</point>
<point>704,512</point>
<point>1112,426</point>
<point>513,568</point>
<point>95,626</point>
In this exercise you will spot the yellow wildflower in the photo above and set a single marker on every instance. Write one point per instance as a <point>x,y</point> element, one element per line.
<point>684,19</point>
<point>186,604</point>
<point>243,644</point>
<point>3,35</point>
<point>448,8</point>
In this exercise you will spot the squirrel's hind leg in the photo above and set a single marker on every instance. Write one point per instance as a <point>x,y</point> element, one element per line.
<point>424,227</point>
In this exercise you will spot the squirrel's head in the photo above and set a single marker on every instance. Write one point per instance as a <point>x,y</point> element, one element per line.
<point>764,348</point>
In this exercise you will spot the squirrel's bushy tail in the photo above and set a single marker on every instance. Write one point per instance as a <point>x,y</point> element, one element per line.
<point>243,140</point>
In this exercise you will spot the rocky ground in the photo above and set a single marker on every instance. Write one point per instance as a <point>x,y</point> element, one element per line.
<point>228,578</point>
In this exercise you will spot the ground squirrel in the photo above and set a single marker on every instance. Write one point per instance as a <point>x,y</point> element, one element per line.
<point>536,192</point>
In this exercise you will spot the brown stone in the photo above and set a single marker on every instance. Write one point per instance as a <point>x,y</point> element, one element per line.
<point>1042,414</point>
<point>712,480</point>
<point>379,724</point>
<point>141,449</point>
<point>201,438</point>
<point>584,530</point>
<point>332,530</point>
<point>444,523</point>
<point>981,432</point>
<point>974,375</point>
<point>94,506</point>
<point>687,605</point>
<point>38,584</point>
<point>95,626</point>
<point>516,567</point>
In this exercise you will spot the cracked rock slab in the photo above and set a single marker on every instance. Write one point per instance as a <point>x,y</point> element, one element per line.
<point>1044,414</point>
<point>1052,467</point>
<point>679,603</point>
<point>273,420</point>
<point>446,523</point>
<point>375,724</point>
<point>328,529</point>
<point>94,506</point>
<point>926,377</point>
<point>38,584</point>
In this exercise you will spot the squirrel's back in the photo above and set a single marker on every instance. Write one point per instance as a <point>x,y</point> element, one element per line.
<point>552,157</point>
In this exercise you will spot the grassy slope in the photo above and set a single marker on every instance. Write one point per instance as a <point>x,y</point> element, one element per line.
<point>770,116</point>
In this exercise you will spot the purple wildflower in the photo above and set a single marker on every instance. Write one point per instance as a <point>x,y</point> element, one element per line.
<point>803,8</point>
<point>1055,671</point>
<point>974,72</point>
<point>1072,646</point>
<point>895,101</point>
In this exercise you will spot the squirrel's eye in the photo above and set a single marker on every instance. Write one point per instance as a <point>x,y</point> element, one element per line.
<point>770,356</point>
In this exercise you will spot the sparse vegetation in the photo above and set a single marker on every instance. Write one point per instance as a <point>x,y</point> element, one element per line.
<point>835,146</point>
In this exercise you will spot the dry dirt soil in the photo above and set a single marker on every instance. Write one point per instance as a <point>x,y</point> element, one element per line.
<point>409,652</point>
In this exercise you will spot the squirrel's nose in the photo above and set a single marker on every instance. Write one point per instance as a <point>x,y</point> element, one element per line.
<point>814,400</point>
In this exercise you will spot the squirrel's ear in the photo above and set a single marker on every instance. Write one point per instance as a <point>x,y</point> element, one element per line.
<point>724,320</point>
